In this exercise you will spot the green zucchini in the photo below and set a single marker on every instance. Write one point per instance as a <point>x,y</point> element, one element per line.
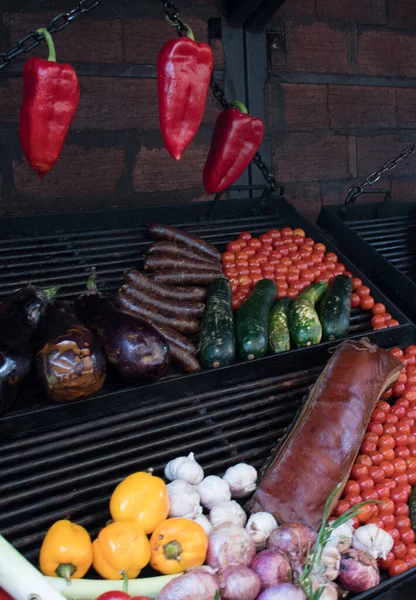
<point>279,337</point>
<point>335,308</point>
<point>252,321</point>
<point>217,339</point>
<point>412,506</point>
<point>304,325</point>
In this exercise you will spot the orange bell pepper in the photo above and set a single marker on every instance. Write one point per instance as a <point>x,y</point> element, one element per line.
<point>121,549</point>
<point>177,545</point>
<point>66,551</point>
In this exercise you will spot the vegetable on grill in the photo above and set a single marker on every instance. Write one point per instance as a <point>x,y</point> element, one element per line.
<point>70,362</point>
<point>304,325</point>
<point>217,339</point>
<point>279,336</point>
<point>176,545</point>
<point>335,308</point>
<point>66,551</point>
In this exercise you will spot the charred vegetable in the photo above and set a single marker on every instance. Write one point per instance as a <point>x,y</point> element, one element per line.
<point>20,316</point>
<point>135,348</point>
<point>70,363</point>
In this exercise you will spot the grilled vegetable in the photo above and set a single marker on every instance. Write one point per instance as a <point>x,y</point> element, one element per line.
<point>179,250</point>
<point>217,339</point>
<point>279,337</point>
<point>178,309</point>
<point>20,317</point>
<point>252,321</point>
<point>335,308</point>
<point>168,292</point>
<point>70,363</point>
<point>162,263</point>
<point>176,545</point>
<point>66,551</point>
<point>135,348</point>
<point>304,325</point>
<point>172,234</point>
<point>184,276</point>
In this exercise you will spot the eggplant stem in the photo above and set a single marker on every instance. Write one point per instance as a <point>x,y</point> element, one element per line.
<point>50,293</point>
<point>92,282</point>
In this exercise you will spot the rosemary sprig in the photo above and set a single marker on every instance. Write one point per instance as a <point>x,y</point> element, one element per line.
<point>324,533</point>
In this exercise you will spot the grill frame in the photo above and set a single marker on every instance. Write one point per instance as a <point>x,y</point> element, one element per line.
<point>400,287</point>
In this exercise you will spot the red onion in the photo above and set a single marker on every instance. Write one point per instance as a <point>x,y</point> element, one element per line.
<point>194,585</point>
<point>239,583</point>
<point>229,546</point>
<point>358,571</point>
<point>293,539</point>
<point>283,591</point>
<point>272,568</point>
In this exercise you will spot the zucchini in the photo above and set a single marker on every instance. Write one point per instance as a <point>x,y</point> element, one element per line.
<point>217,339</point>
<point>279,337</point>
<point>412,506</point>
<point>252,321</point>
<point>304,325</point>
<point>335,308</point>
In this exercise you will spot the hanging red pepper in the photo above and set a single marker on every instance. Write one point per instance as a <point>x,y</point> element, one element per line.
<point>184,70</point>
<point>50,99</point>
<point>237,137</point>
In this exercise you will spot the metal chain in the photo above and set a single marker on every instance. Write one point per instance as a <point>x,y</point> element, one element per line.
<point>172,14</point>
<point>31,41</point>
<point>357,190</point>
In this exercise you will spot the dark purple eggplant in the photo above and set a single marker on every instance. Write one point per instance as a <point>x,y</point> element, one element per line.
<point>135,348</point>
<point>20,316</point>
<point>70,363</point>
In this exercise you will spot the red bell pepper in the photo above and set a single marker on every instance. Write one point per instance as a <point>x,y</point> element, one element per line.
<point>50,99</point>
<point>184,70</point>
<point>237,137</point>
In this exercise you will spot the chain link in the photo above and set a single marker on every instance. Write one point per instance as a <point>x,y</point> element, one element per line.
<point>32,40</point>
<point>357,190</point>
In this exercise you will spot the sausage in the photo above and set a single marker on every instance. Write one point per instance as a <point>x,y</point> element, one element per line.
<point>191,309</point>
<point>162,263</point>
<point>183,359</point>
<point>146,313</point>
<point>185,277</point>
<point>321,448</point>
<point>142,282</point>
<point>172,249</point>
<point>172,234</point>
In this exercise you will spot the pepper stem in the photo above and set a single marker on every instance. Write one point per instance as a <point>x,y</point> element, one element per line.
<point>49,40</point>
<point>125,586</point>
<point>65,570</point>
<point>50,293</point>
<point>241,107</point>
<point>189,32</point>
<point>92,282</point>
<point>172,550</point>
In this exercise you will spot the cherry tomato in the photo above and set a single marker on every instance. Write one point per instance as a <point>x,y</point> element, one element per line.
<point>410,561</point>
<point>400,478</point>
<point>365,513</point>
<point>367,302</point>
<point>394,532</point>
<point>370,436</point>
<point>387,453</point>
<point>411,549</point>
<point>412,448</point>
<point>396,351</point>
<point>384,563</point>
<point>390,418</point>
<point>377,521</point>
<point>390,428</point>
<point>355,300</point>
<point>353,499</point>
<point>403,521</point>
<point>377,320</point>
<point>386,440</point>
<point>245,235</point>
<point>398,409</point>
<point>364,459</point>
<point>368,446</point>
<point>399,549</point>
<point>376,426</point>
<point>359,470</point>
<point>397,566</point>
<point>388,521</point>
<point>254,243</point>
<point>383,491</point>
<point>351,487</point>
<point>286,231</point>
<point>362,291</point>
<point>365,482</point>
<point>376,458</point>
<point>392,323</point>
<point>402,452</point>
<point>411,464</point>
<point>387,468</point>
<point>399,494</point>
<point>387,394</point>
<point>410,395</point>
<point>401,440</point>
<point>387,508</point>
<point>331,257</point>
<point>390,483</point>
<point>399,465</point>
<point>250,251</point>
<point>369,494</point>
<point>401,508</point>
<point>300,232</point>
<point>378,309</point>
<point>274,234</point>
<point>376,473</point>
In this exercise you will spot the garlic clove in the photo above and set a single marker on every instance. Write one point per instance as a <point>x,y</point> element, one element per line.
<point>261,525</point>
<point>227,511</point>
<point>213,490</point>
<point>186,468</point>
<point>205,523</point>
<point>242,480</point>
<point>184,499</point>
<point>373,540</point>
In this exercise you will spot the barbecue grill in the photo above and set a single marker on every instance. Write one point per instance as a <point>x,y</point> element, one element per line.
<point>63,461</point>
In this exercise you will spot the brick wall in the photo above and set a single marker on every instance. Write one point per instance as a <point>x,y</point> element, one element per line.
<point>341,98</point>
<point>114,154</point>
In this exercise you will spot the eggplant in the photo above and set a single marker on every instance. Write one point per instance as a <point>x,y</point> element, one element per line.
<point>70,363</point>
<point>135,348</point>
<point>20,316</point>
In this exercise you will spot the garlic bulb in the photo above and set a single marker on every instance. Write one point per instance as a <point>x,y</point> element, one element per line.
<point>184,499</point>
<point>341,537</point>
<point>186,468</point>
<point>330,560</point>
<point>204,522</point>
<point>373,540</point>
<point>228,511</point>
<point>260,525</point>
<point>212,490</point>
<point>242,480</point>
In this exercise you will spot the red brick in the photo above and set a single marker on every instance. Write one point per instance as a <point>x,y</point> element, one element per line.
<point>307,157</point>
<point>88,40</point>
<point>143,39</point>
<point>361,106</point>
<point>295,9</point>
<point>305,106</point>
<point>318,48</point>
<point>10,99</point>
<point>79,172</point>
<point>406,107</point>
<point>361,11</point>
<point>156,171</point>
<point>402,14</point>
<point>403,190</point>
<point>387,53</point>
<point>374,151</point>
<point>306,199</point>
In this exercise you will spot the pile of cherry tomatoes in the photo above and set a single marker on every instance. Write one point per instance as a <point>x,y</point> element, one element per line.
<point>293,261</point>
<point>385,468</point>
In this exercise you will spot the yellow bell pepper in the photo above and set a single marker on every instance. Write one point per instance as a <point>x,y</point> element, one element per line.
<point>66,551</point>
<point>141,497</point>
<point>121,549</point>
<point>177,545</point>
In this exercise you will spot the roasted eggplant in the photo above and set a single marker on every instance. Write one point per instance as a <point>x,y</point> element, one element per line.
<point>135,348</point>
<point>70,363</point>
